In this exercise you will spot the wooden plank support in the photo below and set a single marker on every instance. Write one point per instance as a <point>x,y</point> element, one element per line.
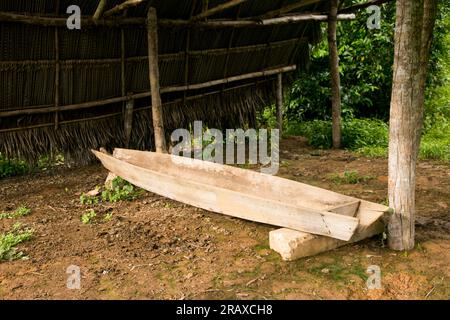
<point>157,112</point>
<point>293,245</point>
<point>279,102</point>
<point>335,76</point>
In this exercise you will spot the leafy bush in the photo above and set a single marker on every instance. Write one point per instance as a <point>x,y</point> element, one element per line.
<point>11,239</point>
<point>11,168</point>
<point>360,133</point>
<point>318,132</point>
<point>356,133</point>
<point>121,190</point>
<point>371,137</point>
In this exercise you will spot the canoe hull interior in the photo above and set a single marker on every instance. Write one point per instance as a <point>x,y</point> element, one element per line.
<point>241,193</point>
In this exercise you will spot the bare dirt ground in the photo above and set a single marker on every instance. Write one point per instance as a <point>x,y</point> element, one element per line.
<point>155,248</point>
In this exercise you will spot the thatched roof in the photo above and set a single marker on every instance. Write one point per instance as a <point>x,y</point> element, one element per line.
<point>90,63</point>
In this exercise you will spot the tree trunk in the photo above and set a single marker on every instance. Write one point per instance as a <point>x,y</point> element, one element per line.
<point>335,76</point>
<point>412,43</point>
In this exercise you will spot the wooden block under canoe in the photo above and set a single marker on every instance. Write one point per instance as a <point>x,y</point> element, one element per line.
<point>235,192</point>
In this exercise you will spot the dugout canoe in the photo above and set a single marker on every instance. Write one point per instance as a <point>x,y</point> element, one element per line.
<point>244,193</point>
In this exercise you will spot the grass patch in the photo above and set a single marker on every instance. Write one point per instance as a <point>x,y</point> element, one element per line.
<point>349,177</point>
<point>337,272</point>
<point>9,241</point>
<point>20,212</point>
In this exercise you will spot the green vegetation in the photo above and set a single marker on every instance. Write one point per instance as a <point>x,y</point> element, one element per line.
<point>121,190</point>
<point>338,272</point>
<point>11,167</point>
<point>91,217</point>
<point>356,133</point>
<point>366,59</point>
<point>349,177</point>
<point>9,241</point>
<point>88,217</point>
<point>88,200</point>
<point>20,212</point>
<point>108,217</point>
<point>17,167</point>
<point>370,137</point>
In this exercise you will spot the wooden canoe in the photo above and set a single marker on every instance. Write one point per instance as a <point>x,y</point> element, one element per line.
<point>243,193</point>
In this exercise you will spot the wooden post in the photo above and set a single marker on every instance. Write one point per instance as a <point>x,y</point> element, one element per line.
<point>57,72</point>
<point>279,102</point>
<point>128,121</point>
<point>123,86</point>
<point>157,113</point>
<point>335,77</point>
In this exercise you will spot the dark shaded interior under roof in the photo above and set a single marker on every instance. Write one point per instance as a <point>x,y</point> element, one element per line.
<point>91,62</point>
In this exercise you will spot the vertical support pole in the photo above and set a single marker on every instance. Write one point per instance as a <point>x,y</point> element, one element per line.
<point>157,113</point>
<point>128,121</point>
<point>57,77</point>
<point>335,76</point>
<point>122,63</point>
<point>279,102</point>
<point>57,71</point>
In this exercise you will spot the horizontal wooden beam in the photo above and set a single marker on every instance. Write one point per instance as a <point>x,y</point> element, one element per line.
<point>213,83</point>
<point>162,57</point>
<point>62,21</point>
<point>304,17</point>
<point>120,21</point>
<point>117,114</point>
<point>91,104</point>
